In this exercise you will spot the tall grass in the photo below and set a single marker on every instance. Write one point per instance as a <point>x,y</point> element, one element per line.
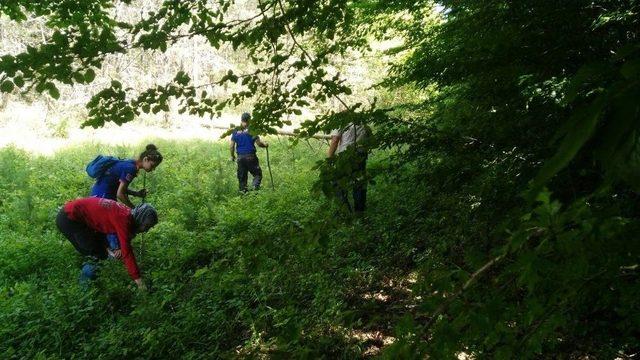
<point>268,273</point>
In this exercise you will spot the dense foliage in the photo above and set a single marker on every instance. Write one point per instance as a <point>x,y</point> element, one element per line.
<point>271,273</point>
<point>512,169</point>
<point>551,272</point>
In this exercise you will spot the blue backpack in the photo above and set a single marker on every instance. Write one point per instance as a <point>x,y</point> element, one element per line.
<point>98,166</point>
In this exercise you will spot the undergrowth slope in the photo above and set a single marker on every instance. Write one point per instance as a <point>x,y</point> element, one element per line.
<point>274,272</point>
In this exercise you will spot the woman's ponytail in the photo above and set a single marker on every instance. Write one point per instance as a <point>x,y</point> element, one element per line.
<point>151,152</point>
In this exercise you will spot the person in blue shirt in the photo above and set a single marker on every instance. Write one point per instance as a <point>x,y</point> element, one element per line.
<point>243,143</point>
<point>114,184</point>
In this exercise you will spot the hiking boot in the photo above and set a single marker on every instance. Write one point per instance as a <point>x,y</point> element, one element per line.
<point>88,273</point>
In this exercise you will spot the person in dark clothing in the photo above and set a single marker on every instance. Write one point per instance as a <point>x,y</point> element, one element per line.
<point>243,143</point>
<point>85,223</point>
<point>349,142</point>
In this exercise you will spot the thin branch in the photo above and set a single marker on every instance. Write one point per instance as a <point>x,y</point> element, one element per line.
<point>242,21</point>
<point>464,287</point>
<point>306,54</point>
<point>219,26</point>
<point>280,132</point>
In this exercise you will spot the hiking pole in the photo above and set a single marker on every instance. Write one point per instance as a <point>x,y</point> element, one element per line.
<point>269,167</point>
<point>144,187</point>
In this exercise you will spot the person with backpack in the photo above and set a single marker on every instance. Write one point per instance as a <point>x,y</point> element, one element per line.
<point>243,143</point>
<point>85,223</point>
<point>113,177</point>
<point>349,152</point>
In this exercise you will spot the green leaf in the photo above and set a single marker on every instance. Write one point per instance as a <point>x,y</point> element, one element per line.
<point>584,122</point>
<point>405,326</point>
<point>6,86</point>
<point>128,116</point>
<point>182,78</point>
<point>200,272</point>
<point>18,81</point>
<point>53,91</point>
<point>89,75</point>
<point>584,75</point>
<point>77,76</point>
<point>41,86</point>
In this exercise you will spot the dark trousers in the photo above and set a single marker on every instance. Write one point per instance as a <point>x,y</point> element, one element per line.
<point>87,241</point>
<point>249,164</point>
<point>357,180</point>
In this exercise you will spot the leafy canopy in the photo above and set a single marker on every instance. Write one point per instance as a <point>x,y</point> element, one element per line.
<point>517,122</point>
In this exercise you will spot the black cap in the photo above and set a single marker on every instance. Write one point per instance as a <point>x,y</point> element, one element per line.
<point>145,214</point>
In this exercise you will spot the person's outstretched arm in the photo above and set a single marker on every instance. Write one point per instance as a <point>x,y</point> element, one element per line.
<point>122,194</point>
<point>140,193</point>
<point>232,149</point>
<point>333,145</point>
<point>261,143</point>
<point>128,258</point>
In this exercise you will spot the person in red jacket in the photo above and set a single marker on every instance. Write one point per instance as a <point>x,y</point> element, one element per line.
<point>85,223</point>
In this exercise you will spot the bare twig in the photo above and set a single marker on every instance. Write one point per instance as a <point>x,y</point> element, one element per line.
<point>218,26</point>
<point>306,54</point>
<point>280,132</point>
<point>464,287</point>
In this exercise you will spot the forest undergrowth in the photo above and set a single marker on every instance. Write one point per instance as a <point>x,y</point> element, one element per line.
<point>275,272</point>
<point>503,209</point>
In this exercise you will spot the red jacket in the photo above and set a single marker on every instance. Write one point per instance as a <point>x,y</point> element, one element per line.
<point>107,216</point>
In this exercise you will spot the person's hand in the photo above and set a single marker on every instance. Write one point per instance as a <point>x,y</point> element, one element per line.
<point>117,253</point>
<point>142,193</point>
<point>141,285</point>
